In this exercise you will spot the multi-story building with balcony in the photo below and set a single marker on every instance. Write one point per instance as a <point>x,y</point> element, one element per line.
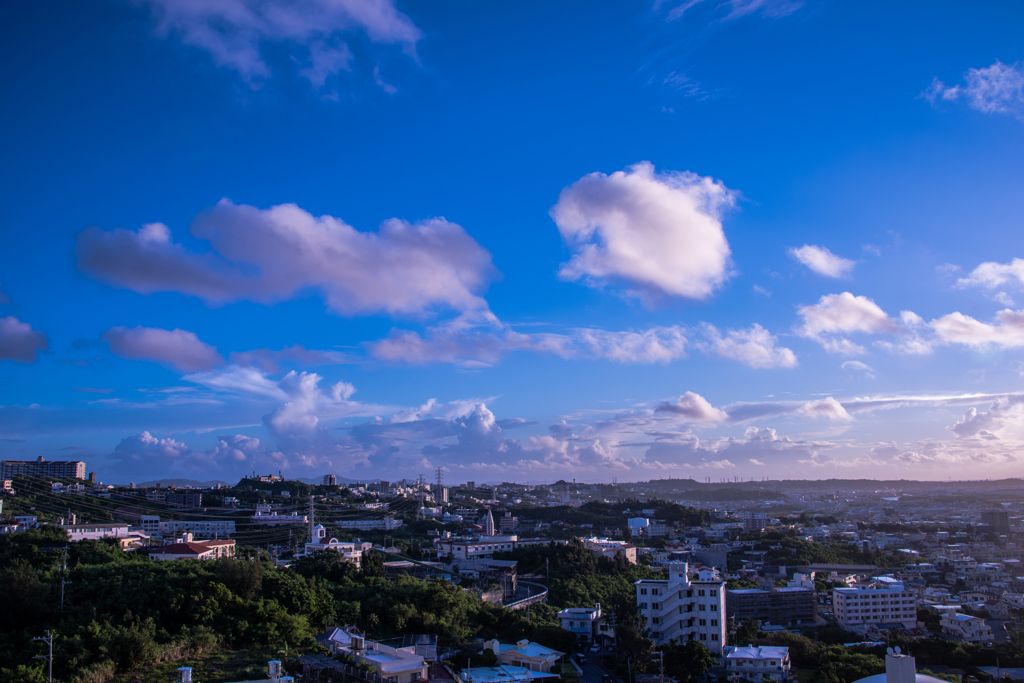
<point>683,607</point>
<point>965,628</point>
<point>58,469</point>
<point>880,602</point>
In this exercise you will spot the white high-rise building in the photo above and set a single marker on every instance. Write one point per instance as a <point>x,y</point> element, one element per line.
<point>684,608</point>
<point>884,601</point>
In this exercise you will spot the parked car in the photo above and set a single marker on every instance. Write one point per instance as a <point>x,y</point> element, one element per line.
<point>595,648</point>
<point>582,659</point>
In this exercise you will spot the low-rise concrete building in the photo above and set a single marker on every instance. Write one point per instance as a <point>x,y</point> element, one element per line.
<point>753,663</point>
<point>608,548</point>
<point>350,551</point>
<point>94,532</point>
<point>524,653</point>
<point>196,550</point>
<point>393,664</point>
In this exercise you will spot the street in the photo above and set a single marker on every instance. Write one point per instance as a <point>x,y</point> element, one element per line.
<point>592,671</point>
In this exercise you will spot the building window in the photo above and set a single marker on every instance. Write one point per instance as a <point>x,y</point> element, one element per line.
<point>701,622</point>
<point>712,593</point>
<point>700,608</point>
<point>656,620</point>
<point>714,636</point>
<point>714,608</point>
<point>700,592</point>
<point>654,591</point>
<point>643,591</point>
<point>714,622</point>
<point>655,605</point>
<point>703,636</point>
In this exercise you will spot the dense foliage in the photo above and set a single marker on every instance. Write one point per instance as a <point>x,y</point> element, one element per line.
<point>790,551</point>
<point>123,611</point>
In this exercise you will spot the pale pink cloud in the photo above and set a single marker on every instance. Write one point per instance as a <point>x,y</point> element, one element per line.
<point>274,254</point>
<point>178,349</point>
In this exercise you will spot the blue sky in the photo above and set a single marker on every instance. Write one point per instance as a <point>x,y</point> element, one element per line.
<point>750,238</point>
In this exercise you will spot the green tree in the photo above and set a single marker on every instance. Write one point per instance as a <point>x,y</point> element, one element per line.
<point>748,633</point>
<point>687,661</point>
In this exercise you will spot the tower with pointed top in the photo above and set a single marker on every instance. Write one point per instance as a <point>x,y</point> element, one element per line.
<point>489,524</point>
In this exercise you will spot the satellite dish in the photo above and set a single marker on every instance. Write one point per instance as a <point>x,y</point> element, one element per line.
<point>897,649</point>
<point>888,650</point>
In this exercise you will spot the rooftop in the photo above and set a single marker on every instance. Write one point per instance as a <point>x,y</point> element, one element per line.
<point>757,652</point>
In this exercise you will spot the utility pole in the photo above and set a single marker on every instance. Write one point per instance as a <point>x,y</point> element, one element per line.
<point>48,657</point>
<point>661,662</point>
<point>63,572</point>
<point>440,478</point>
<point>311,539</point>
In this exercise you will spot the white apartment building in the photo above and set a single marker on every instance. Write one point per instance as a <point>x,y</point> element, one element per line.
<point>384,524</point>
<point>684,609</point>
<point>274,519</point>
<point>880,602</point>
<point>754,663</point>
<point>201,528</point>
<point>966,628</point>
<point>94,532</point>
<point>484,546</point>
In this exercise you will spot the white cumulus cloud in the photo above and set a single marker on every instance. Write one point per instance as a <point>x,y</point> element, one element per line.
<point>656,233</point>
<point>1007,331</point>
<point>694,407</point>
<point>841,314</point>
<point>992,274</point>
<point>822,261</point>
<point>755,347</point>
<point>826,407</point>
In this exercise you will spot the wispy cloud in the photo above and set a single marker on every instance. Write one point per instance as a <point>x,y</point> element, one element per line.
<point>995,89</point>
<point>316,33</point>
<point>474,342</point>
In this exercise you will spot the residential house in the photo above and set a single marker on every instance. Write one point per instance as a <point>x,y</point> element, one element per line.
<point>753,663</point>
<point>529,655</point>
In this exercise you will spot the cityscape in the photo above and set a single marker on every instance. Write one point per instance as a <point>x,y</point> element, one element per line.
<point>743,581</point>
<point>396,341</point>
